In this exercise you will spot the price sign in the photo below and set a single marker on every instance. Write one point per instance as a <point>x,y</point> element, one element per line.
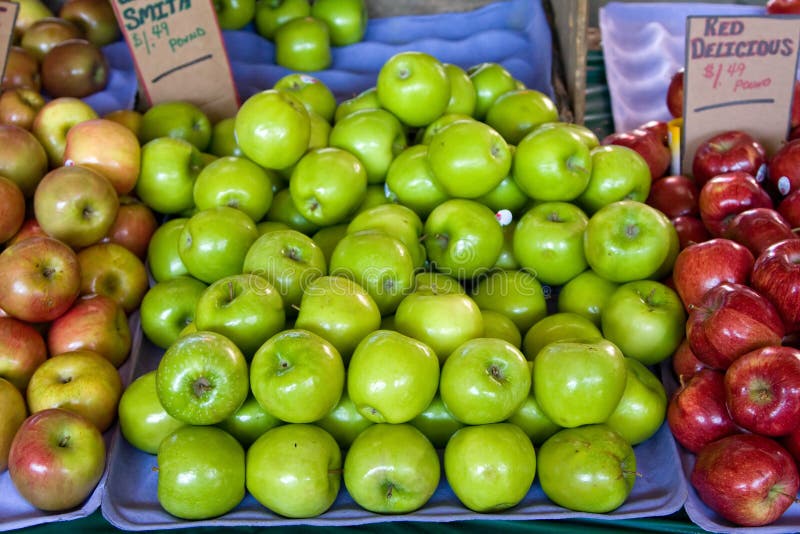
<point>179,53</point>
<point>740,74</point>
<point>8,17</point>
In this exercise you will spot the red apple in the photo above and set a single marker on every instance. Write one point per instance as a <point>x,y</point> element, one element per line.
<point>133,227</point>
<point>795,117</point>
<point>12,209</point>
<point>96,323</point>
<point>690,230</point>
<point>647,144</point>
<point>784,168</point>
<point>704,265</point>
<point>660,128</point>
<point>726,195</point>
<point>46,33</point>
<point>696,413</point>
<point>759,228</point>
<point>776,275</point>
<point>95,17</point>
<point>22,350</point>
<point>56,459</point>
<point>789,208</point>
<point>685,363</point>
<point>729,321</point>
<point>54,120</point>
<point>114,271</point>
<point>23,159</point>
<point>75,68</point>
<point>22,70</point>
<point>748,479</point>
<point>794,134</point>
<point>792,443</point>
<point>39,279</point>
<point>675,94</point>
<point>762,390</point>
<point>30,228</point>
<point>783,7</point>
<point>674,196</point>
<point>729,151</point>
<point>19,106</point>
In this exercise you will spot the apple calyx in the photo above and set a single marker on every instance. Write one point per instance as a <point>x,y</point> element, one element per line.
<point>631,230</point>
<point>201,386</point>
<point>496,373</point>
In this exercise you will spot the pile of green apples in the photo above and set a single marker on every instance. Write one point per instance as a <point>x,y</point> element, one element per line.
<point>342,288</point>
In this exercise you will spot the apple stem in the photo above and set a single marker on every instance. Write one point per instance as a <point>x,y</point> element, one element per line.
<point>48,272</point>
<point>637,474</point>
<point>64,441</point>
<point>231,294</point>
<point>496,373</point>
<point>338,471</point>
<point>295,307</point>
<point>201,386</point>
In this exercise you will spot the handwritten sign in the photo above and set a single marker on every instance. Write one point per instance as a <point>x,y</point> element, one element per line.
<point>740,74</point>
<point>179,53</point>
<point>8,17</point>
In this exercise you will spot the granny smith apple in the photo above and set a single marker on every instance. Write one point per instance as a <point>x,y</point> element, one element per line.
<point>559,326</point>
<point>163,259</point>
<point>234,14</point>
<point>484,381</point>
<point>490,467</point>
<point>347,19</point>
<point>168,307</point>
<point>437,423</point>
<point>248,422</point>
<point>366,99</point>
<point>284,211</point>
<point>143,421</point>
<point>327,237</point>
<point>297,376</point>
<point>490,79</point>
<point>201,472</point>
<point>391,378</point>
<point>167,174</point>
<point>436,283</point>
<point>236,182</point>
<point>586,294</point>
<point>303,44</point>
<point>643,407</point>
<point>424,135</point>
<point>516,113</point>
<point>618,173</point>
<point>397,220</point>
<point>532,420</point>
<point>270,14</point>
<point>410,181</point>
<point>223,141</point>
<point>507,195</point>
<point>202,378</point>
<point>179,119</point>
<point>344,422</point>
<point>311,91</point>
<point>506,260</point>
<point>463,96</point>
<point>501,326</point>
<point>413,86</point>
<point>587,135</point>
<point>516,294</point>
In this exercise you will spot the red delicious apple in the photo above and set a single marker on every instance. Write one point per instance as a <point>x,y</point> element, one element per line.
<point>690,230</point>
<point>95,18</point>
<point>660,128</point>
<point>792,443</point>
<point>776,275</point>
<point>12,209</point>
<point>748,479</point>
<point>674,196</point>
<point>784,168</point>
<point>675,94</point>
<point>759,228</point>
<point>696,413</point>
<point>647,144</point>
<point>725,196</point>
<point>729,321</point>
<point>726,152</point>
<point>133,227</point>
<point>783,7</point>
<point>789,208</point>
<point>704,265</point>
<point>39,279</point>
<point>794,134</point>
<point>22,350</point>
<point>685,363</point>
<point>22,70</point>
<point>96,323</point>
<point>74,68</point>
<point>762,390</point>
<point>19,106</point>
<point>56,459</point>
<point>795,117</point>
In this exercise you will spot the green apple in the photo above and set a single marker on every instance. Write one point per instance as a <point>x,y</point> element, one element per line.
<point>627,240</point>
<point>436,283</point>
<point>236,182</point>
<point>303,44</point>
<point>234,14</point>
<point>586,134</point>
<point>532,420</point>
<point>413,86</point>
<point>168,307</point>
<point>202,378</point>
<point>462,238</point>
<point>443,321</point>
<point>516,294</point>
<point>179,119</point>
<point>297,376</point>
<point>273,129</point>
<point>327,185</point>
<point>618,173</point>
<point>579,382</point>
<point>214,242</point>
<point>424,135</point>
<point>558,326</point>
<point>289,260</point>
<point>344,422</point>
<point>320,131</point>
<point>295,470</point>
<point>391,469</point>
<point>484,381</point>
<point>397,220</point>
<point>490,80</point>
<point>463,96</point>
<point>490,467</point>
<point>347,19</point>
<point>339,310</point>
<point>201,472</point>
<point>284,211</point>
<point>468,158</point>
<point>501,326</point>
<point>366,99</point>
<point>643,407</point>
<point>311,91</point>
<point>391,378</point>
<point>246,308</point>
<point>223,141</point>
<point>376,196</point>
<point>548,241</point>
<point>375,136</point>
<point>437,423</point>
<point>507,195</point>
<point>377,261</point>
<point>586,294</point>
<point>645,319</point>
<point>410,181</point>
<point>248,422</point>
<point>327,237</point>
<point>552,164</point>
<point>163,259</point>
<point>587,469</point>
<point>516,113</point>
<point>506,260</point>
<point>168,171</point>
<point>272,13</point>
<point>143,421</point>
